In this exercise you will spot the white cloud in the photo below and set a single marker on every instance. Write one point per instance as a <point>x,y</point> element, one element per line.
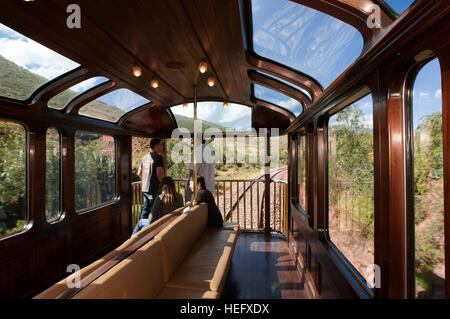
<point>290,104</point>
<point>32,55</point>
<point>88,84</point>
<point>438,94</point>
<point>424,94</point>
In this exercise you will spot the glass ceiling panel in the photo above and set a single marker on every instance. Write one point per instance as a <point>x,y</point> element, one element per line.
<point>304,39</point>
<point>25,64</point>
<point>213,114</point>
<point>279,99</point>
<point>112,106</point>
<point>288,83</point>
<point>62,99</point>
<point>399,6</point>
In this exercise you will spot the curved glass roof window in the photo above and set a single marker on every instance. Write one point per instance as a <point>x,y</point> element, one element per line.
<point>399,6</point>
<point>304,39</point>
<point>288,83</point>
<point>25,65</point>
<point>62,99</point>
<point>279,99</point>
<point>112,106</point>
<point>214,115</point>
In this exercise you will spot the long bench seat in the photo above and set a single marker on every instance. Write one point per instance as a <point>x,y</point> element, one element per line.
<point>185,260</point>
<point>58,288</point>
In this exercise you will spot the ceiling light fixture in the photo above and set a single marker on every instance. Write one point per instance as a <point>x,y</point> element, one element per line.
<point>203,67</point>
<point>225,104</point>
<point>185,105</point>
<point>154,83</point>
<point>137,70</point>
<point>211,81</point>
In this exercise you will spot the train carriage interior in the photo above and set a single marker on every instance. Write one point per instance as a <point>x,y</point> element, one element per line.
<point>328,121</point>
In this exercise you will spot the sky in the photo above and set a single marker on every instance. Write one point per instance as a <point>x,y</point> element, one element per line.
<point>124,99</point>
<point>399,5</point>
<point>427,94</point>
<point>32,55</point>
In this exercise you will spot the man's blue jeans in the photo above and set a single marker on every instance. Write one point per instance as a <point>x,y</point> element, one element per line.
<point>146,209</point>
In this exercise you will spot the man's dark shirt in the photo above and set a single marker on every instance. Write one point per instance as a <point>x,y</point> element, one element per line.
<point>154,181</point>
<point>214,216</point>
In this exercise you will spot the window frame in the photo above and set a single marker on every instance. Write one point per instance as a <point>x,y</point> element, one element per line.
<point>303,212</point>
<point>116,198</point>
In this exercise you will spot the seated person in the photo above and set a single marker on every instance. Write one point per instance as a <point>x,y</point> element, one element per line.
<point>205,196</point>
<point>167,201</point>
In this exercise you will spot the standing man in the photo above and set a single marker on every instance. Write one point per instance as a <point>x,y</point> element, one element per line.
<point>205,168</point>
<point>151,172</point>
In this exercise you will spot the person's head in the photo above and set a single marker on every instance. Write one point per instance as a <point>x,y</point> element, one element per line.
<point>156,145</point>
<point>201,184</point>
<point>167,190</point>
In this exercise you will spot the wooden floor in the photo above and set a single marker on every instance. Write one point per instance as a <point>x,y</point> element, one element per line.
<point>262,268</point>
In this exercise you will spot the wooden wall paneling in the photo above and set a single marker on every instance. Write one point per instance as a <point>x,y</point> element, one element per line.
<point>381,183</point>
<point>444,60</point>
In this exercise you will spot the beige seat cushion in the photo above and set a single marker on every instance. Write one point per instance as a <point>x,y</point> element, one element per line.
<point>138,276</point>
<point>181,293</point>
<point>61,286</point>
<point>180,236</point>
<point>208,262</point>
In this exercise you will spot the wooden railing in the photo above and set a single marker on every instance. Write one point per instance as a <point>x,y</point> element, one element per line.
<point>240,201</point>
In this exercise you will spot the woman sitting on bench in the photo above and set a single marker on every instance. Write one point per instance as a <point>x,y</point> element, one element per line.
<point>167,201</point>
<point>205,196</point>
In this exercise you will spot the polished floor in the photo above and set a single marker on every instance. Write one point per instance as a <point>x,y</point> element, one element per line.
<point>262,269</point>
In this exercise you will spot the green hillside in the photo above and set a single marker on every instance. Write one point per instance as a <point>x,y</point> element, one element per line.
<point>17,82</point>
<point>186,122</point>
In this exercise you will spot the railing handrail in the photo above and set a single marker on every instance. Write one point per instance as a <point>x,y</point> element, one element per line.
<point>237,197</point>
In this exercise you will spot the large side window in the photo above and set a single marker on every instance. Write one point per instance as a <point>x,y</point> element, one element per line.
<point>428,166</point>
<point>351,183</point>
<point>13,178</point>
<point>53,175</point>
<point>301,170</point>
<point>95,170</point>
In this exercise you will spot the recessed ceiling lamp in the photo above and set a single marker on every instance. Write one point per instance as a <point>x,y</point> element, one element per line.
<point>137,70</point>
<point>203,67</point>
<point>211,81</point>
<point>154,83</point>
